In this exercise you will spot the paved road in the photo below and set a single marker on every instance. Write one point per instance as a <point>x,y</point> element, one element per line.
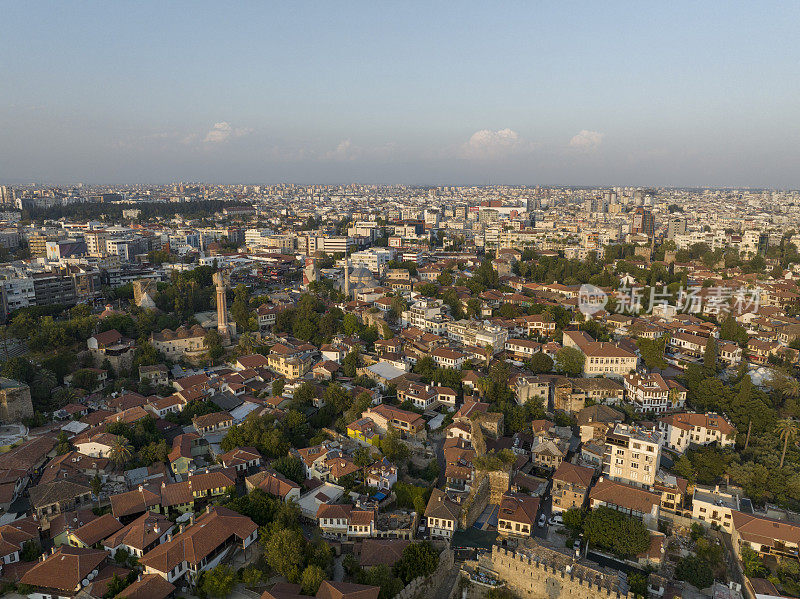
<point>546,509</point>
<point>438,446</point>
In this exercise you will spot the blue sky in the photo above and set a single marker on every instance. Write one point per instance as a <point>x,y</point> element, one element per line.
<point>619,93</point>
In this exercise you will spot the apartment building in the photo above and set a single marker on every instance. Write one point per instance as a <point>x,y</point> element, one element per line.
<point>449,358</point>
<point>653,393</point>
<point>712,506</point>
<point>478,334</point>
<point>373,259</point>
<point>632,455</point>
<point>679,431</point>
<point>425,315</point>
<point>602,358</point>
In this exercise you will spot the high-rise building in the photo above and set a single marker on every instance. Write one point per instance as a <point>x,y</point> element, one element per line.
<point>6,194</point>
<point>643,222</point>
<point>676,226</point>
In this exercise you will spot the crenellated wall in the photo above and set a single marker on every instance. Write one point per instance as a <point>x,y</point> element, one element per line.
<point>530,578</point>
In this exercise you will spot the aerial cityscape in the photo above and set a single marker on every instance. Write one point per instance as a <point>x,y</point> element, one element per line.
<point>399,302</point>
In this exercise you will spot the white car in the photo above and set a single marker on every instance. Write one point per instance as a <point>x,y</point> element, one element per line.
<point>577,545</point>
<point>542,521</point>
<point>555,519</point>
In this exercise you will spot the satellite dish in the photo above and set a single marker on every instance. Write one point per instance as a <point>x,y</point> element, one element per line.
<point>90,576</point>
<point>84,582</point>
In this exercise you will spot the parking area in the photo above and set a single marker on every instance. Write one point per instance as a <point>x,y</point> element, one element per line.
<point>488,519</point>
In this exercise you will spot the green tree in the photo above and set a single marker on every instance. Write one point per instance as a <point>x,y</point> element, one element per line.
<point>240,308</point>
<point>710,355</point>
<point>350,363</point>
<point>418,559</point>
<point>277,386</point>
<point>64,446</point>
<point>351,326</point>
<point>219,581</point>
<point>573,519</point>
<point>787,430</point>
<point>121,451</point>
<point>252,575</point>
<point>540,363</point>
<point>751,561</point>
<point>31,551</point>
<point>291,467</point>
<point>695,571</point>
<point>570,361</point>
<point>304,394</point>
<point>85,379</point>
<point>97,485</point>
<point>621,534</point>
<point>652,351</point>
<point>43,383</point>
<point>311,578</point>
<point>284,552</point>
<point>393,447</point>
<point>213,344</point>
<point>381,576</point>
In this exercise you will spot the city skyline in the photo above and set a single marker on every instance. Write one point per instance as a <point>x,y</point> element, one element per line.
<point>684,96</point>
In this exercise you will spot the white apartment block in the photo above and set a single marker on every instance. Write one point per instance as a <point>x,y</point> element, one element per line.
<point>479,334</point>
<point>374,259</point>
<point>679,431</point>
<point>426,315</point>
<point>632,455</point>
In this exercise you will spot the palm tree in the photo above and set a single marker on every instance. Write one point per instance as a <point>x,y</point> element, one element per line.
<point>787,429</point>
<point>43,382</point>
<point>121,451</point>
<point>64,395</point>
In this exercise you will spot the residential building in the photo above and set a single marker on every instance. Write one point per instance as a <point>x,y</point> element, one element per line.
<point>570,486</point>
<point>442,515</point>
<point>516,515</point>
<point>652,393</point>
<point>679,431</point>
<point>632,455</point>
<point>208,539</point>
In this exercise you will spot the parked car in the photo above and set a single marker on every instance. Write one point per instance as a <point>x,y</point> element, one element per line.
<point>577,545</point>
<point>555,519</point>
<point>542,521</point>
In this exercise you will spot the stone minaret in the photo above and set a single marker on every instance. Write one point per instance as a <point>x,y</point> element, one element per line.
<point>347,277</point>
<point>222,304</point>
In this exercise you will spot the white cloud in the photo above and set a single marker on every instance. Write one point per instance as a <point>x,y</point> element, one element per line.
<point>493,144</point>
<point>347,151</point>
<point>223,131</point>
<point>343,152</point>
<point>586,140</point>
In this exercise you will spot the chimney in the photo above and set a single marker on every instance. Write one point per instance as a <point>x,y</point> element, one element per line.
<point>208,509</point>
<point>141,488</point>
<point>716,488</point>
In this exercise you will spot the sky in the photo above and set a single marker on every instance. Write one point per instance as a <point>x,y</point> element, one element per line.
<point>429,93</point>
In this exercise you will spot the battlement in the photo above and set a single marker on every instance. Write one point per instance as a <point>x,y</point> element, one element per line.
<point>537,576</point>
